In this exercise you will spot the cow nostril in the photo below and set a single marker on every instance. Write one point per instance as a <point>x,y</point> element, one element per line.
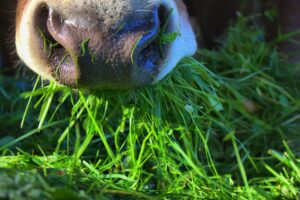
<point>41,22</point>
<point>152,47</point>
<point>50,46</point>
<point>54,53</point>
<point>163,14</point>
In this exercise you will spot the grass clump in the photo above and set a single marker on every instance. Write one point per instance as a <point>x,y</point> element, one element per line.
<point>225,129</point>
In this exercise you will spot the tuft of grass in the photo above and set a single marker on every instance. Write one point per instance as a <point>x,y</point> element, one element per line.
<point>222,126</point>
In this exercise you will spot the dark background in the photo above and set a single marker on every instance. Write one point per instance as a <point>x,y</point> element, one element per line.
<point>7,19</point>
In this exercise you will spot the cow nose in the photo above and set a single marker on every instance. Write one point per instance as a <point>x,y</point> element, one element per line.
<point>94,51</point>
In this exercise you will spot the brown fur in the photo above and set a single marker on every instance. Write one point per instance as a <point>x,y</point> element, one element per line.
<point>212,17</point>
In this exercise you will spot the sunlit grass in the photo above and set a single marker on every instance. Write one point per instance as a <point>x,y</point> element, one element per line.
<point>221,126</point>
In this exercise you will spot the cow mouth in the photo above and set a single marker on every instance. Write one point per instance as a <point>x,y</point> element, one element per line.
<point>148,55</point>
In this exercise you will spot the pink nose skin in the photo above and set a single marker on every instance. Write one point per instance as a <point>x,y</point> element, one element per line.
<point>89,54</point>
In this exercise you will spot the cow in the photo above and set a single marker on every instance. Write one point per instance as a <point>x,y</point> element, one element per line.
<point>115,44</point>
<point>121,44</point>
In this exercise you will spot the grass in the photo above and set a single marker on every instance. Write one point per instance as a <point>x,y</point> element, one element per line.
<point>223,125</point>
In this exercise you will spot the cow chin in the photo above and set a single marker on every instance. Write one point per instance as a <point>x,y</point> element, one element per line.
<point>103,44</point>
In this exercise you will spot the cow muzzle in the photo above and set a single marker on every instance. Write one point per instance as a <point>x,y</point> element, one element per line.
<point>99,45</point>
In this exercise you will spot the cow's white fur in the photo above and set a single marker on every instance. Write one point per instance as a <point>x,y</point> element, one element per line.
<point>184,45</point>
<point>27,38</point>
